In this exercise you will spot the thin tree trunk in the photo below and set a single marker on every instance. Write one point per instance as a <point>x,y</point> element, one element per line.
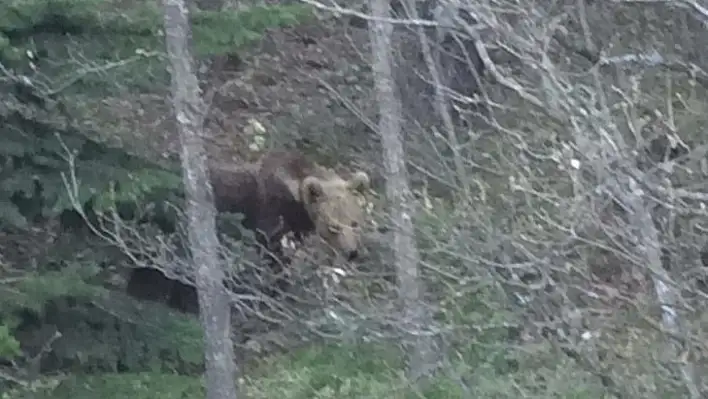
<point>398,192</point>
<point>214,307</point>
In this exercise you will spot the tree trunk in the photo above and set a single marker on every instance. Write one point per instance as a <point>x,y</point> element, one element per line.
<point>214,307</point>
<point>398,192</point>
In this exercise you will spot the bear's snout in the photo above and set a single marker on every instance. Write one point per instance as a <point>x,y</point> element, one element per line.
<point>348,243</point>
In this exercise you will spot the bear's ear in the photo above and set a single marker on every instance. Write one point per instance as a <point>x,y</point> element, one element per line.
<point>359,182</point>
<point>311,189</point>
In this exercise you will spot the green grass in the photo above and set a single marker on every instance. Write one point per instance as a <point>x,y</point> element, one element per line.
<point>334,371</point>
<point>120,386</point>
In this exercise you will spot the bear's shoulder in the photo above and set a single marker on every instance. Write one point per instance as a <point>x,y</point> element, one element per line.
<point>228,180</point>
<point>292,164</point>
<point>292,168</point>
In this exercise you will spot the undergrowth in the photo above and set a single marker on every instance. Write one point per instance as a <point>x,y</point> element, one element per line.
<point>338,371</point>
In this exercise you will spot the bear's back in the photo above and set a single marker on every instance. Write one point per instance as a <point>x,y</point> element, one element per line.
<point>281,173</point>
<point>237,190</point>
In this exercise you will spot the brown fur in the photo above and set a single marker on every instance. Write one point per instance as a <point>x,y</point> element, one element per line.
<point>311,198</point>
<point>236,191</point>
<point>284,191</point>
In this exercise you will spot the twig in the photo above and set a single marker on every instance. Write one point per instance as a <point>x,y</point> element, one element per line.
<point>347,11</point>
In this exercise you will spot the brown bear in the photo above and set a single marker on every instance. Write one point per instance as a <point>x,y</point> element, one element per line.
<point>286,192</point>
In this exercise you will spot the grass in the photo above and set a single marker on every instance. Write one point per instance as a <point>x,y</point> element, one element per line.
<point>331,371</point>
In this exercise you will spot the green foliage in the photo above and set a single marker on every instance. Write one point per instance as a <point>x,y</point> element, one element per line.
<point>346,371</point>
<point>35,289</point>
<point>117,336</point>
<point>374,359</point>
<point>9,346</point>
<point>108,32</point>
<point>101,330</point>
<point>119,386</point>
<point>225,32</point>
<point>34,181</point>
<point>21,17</point>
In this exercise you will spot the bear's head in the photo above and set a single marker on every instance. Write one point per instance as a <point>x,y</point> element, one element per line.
<point>335,207</point>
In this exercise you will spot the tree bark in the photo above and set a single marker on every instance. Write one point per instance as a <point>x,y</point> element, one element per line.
<point>214,307</point>
<point>398,191</point>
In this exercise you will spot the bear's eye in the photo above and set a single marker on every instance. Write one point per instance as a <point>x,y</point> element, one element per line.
<point>354,224</point>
